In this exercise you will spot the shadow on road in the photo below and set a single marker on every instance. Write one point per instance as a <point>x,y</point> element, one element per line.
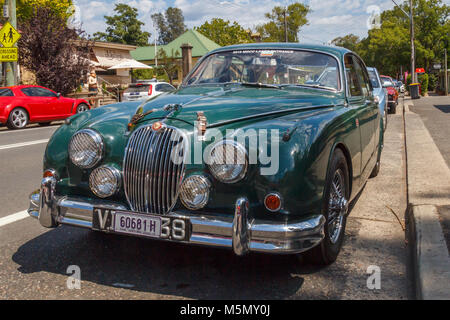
<point>162,268</point>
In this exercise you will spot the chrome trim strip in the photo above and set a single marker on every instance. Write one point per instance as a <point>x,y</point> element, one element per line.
<point>241,237</point>
<point>47,205</point>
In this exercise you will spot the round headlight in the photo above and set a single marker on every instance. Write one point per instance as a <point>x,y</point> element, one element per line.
<point>194,193</point>
<point>228,161</point>
<point>105,181</point>
<point>86,148</point>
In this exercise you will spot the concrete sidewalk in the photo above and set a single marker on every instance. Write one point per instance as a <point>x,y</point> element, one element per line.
<point>428,187</point>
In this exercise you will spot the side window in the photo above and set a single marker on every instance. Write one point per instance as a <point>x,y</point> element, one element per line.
<point>37,92</point>
<point>159,87</point>
<point>352,77</point>
<point>6,93</point>
<point>29,92</point>
<point>363,77</point>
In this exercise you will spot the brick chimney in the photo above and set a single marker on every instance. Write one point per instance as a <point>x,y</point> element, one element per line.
<point>186,53</point>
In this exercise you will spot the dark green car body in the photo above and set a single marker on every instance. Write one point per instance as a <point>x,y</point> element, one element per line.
<point>311,122</point>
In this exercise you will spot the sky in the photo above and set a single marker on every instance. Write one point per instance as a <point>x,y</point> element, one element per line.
<point>329,18</point>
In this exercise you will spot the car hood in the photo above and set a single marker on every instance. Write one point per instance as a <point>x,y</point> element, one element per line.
<point>222,106</point>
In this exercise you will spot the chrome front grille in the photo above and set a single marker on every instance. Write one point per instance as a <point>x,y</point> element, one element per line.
<point>152,174</point>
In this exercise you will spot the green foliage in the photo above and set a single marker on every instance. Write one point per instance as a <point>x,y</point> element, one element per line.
<point>349,42</point>
<point>170,25</point>
<point>25,8</point>
<point>224,33</point>
<point>432,81</point>
<point>124,27</point>
<point>389,47</point>
<point>423,80</point>
<point>169,66</point>
<point>143,74</point>
<point>274,30</point>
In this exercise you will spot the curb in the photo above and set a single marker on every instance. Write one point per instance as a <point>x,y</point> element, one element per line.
<point>428,182</point>
<point>431,262</point>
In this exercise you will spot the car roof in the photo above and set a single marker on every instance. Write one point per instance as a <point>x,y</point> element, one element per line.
<point>337,51</point>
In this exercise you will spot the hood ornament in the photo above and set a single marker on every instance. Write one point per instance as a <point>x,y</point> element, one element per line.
<point>202,123</point>
<point>138,117</point>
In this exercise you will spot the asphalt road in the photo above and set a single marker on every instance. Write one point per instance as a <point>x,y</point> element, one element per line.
<point>34,260</point>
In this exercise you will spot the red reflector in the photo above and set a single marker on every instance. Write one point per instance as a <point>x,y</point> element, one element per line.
<point>150,90</point>
<point>273,202</point>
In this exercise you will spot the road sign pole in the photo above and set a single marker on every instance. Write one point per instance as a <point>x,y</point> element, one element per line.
<point>11,67</point>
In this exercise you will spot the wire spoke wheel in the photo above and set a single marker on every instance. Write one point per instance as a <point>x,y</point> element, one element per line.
<point>337,207</point>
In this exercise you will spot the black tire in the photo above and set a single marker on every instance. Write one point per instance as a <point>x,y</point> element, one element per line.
<point>82,107</point>
<point>18,119</point>
<point>44,124</point>
<point>328,250</point>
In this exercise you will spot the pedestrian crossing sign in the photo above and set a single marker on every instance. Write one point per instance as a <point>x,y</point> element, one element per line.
<point>9,35</point>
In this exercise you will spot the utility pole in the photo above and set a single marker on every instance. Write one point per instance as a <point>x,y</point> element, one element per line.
<point>285,25</point>
<point>410,15</point>
<point>413,49</point>
<point>11,67</point>
<point>446,71</point>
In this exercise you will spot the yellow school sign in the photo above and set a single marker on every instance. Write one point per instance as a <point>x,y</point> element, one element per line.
<point>8,38</point>
<point>9,35</point>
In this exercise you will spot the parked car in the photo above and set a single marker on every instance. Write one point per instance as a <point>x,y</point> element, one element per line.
<point>21,105</point>
<point>380,94</point>
<point>388,83</point>
<point>193,166</point>
<point>146,89</point>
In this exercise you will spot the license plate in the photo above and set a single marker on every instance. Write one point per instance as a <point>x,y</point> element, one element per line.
<point>142,225</point>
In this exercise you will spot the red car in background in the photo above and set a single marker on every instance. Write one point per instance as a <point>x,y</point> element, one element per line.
<point>21,105</point>
<point>389,85</point>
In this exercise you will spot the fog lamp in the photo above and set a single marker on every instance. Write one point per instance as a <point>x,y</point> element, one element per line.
<point>194,193</point>
<point>105,181</point>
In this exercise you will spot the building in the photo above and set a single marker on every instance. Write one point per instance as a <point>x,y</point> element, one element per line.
<point>105,55</point>
<point>201,45</point>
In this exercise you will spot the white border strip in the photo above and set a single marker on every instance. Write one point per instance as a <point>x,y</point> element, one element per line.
<point>13,218</point>
<point>23,144</point>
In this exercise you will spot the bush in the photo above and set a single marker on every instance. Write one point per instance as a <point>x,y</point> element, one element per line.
<point>423,80</point>
<point>432,82</point>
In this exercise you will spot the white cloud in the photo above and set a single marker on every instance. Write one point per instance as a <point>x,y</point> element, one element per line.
<point>328,19</point>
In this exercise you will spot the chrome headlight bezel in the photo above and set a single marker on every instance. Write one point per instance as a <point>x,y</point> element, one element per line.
<point>113,173</point>
<point>239,148</point>
<point>198,180</point>
<point>97,139</point>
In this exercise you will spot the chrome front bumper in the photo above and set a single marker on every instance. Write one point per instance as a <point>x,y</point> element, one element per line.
<point>241,233</point>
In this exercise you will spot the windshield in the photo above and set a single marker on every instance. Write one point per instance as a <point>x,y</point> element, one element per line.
<point>374,78</point>
<point>268,67</point>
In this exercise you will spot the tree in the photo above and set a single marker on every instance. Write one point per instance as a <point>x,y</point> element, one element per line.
<point>349,42</point>
<point>224,33</point>
<point>124,27</point>
<point>274,30</point>
<point>56,54</point>
<point>389,48</point>
<point>25,8</point>
<point>170,25</point>
<point>168,64</point>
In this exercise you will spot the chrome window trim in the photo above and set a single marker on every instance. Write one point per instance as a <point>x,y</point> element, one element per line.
<point>341,89</point>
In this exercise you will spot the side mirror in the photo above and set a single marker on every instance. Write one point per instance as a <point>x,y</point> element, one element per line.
<point>58,95</point>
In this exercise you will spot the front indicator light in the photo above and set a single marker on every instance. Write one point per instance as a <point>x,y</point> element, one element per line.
<point>273,202</point>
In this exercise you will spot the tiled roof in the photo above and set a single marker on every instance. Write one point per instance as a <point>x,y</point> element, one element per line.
<point>201,45</point>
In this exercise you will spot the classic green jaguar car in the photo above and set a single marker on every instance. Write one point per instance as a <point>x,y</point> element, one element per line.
<point>261,149</point>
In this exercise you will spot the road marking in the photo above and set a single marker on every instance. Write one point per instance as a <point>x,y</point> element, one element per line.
<point>9,132</point>
<point>23,144</point>
<point>13,218</point>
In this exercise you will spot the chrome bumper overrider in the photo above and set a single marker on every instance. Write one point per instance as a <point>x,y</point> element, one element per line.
<point>242,233</point>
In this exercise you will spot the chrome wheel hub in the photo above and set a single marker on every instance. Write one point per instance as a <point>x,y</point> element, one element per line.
<point>337,207</point>
<point>82,108</point>
<point>19,118</point>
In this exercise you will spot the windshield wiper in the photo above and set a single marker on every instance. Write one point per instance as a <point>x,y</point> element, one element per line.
<point>260,85</point>
<point>314,86</point>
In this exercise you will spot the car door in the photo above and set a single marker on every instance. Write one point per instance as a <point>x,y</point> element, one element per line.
<point>38,105</point>
<point>58,107</point>
<point>363,114</point>
<point>370,123</point>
